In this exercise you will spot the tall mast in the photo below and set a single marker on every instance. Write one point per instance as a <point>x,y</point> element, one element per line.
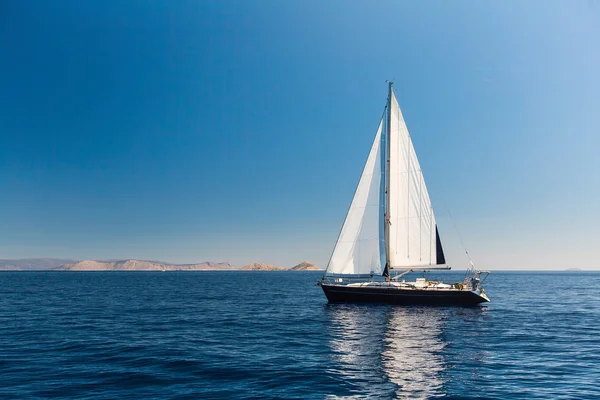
<point>386,223</point>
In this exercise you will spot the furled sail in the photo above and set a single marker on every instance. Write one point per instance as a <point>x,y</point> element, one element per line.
<point>360,245</point>
<point>412,232</point>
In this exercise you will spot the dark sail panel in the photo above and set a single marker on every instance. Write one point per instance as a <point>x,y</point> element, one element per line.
<point>439,251</point>
<point>386,271</point>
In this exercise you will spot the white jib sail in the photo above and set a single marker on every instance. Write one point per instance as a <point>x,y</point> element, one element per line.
<point>360,245</point>
<point>412,230</point>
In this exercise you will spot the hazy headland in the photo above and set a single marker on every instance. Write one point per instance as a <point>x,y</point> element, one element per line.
<point>58,264</point>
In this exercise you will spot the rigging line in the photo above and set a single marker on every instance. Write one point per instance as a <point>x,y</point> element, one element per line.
<point>458,232</point>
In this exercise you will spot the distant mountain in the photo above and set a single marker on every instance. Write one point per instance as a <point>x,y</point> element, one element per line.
<point>306,266</point>
<point>33,264</point>
<point>59,264</point>
<point>141,265</point>
<point>261,267</point>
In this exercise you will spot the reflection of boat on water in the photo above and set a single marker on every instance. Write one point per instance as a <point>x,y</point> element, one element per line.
<point>356,343</point>
<point>412,358</point>
<point>385,352</point>
<point>391,227</point>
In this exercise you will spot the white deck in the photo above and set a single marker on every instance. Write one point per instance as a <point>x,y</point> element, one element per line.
<point>419,283</point>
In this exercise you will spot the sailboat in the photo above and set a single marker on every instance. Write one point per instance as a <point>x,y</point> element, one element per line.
<point>390,230</point>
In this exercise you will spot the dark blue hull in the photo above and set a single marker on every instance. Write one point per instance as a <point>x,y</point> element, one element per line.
<point>357,294</point>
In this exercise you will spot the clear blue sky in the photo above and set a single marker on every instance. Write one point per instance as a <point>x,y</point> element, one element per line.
<point>236,130</point>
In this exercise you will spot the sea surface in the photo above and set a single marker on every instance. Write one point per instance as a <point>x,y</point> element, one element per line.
<point>190,335</point>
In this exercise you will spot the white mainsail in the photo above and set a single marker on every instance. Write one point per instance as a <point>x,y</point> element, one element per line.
<point>410,236</point>
<point>412,229</point>
<point>359,247</point>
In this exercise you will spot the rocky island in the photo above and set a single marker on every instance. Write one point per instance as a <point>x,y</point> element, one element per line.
<point>306,266</point>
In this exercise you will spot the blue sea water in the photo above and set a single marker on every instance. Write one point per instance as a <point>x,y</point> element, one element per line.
<point>273,335</point>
